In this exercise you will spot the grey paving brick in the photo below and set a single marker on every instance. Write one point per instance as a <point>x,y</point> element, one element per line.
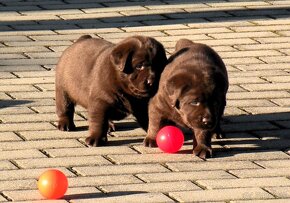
<point>61,162</point>
<point>245,182</point>
<point>265,110</point>
<point>29,153</point>
<point>51,134</point>
<point>90,151</point>
<point>245,155</point>
<point>21,174</point>
<point>103,180</point>
<point>279,163</point>
<point>221,195</point>
<point>9,136</point>
<point>13,62</point>
<point>262,201</point>
<point>129,197</point>
<point>120,169</point>
<point>254,173</point>
<point>30,195</point>
<point>17,88</point>
<point>7,165</point>
<point>252,67</point>
<point>28,118</point>
<point>153,187</point>
<point>182,176</point>
<point>281,192</point>
<point>39,144</point>
<point>258,94</point>
<point>252,102</point>
<point>25,126</point>
<point>206,166</point>
<point>18,184</point>
<point>23,49</point>
<point>149,158</point>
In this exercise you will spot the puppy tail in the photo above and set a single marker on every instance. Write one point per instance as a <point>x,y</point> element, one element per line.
<point>183,43</point>
<point>83,38</point>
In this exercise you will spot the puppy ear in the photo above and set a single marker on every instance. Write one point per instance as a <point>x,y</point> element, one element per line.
<point>174,89</point>
<point>183,43</point>
<point>121,55</point>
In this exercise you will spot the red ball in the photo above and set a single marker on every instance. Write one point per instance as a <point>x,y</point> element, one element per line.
<point>170,139</point>
<point>52,184</point>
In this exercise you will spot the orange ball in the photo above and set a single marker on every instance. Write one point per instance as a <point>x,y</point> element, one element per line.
<point>52,184</point>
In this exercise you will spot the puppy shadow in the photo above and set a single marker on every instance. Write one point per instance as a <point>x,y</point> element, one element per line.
<point>101,195</point>
<point>13,103</point>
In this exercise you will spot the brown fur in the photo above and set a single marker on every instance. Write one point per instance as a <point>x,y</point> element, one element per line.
<point>192,94</point>
<point>110,80</point>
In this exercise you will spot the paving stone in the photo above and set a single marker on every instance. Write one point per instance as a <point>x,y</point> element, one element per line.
<point>39,144</point>
<point>103,180</point>
<point>221,195</point>
<point>61,162</point>
<point>254,173</point>
<point>207,166</point>
<point>9,136</point>
<point>90,151</point>
<point>262,201</point>
<point>252,102</point>
<point>198,31</point>
<point>281,192</point>
<point>252,67</point>
<point>258,94</point>
<point>28,173</point>
<point>28,118</point>
<point>120,169</point>
<point>153,187</point>
<point>279,163</point>
<point>18,184</point>
<point>26,195</point>
<point>265,110</point>
<point>245,155</point>
<point>25,126</point>
<point>22,49</point>
<point>30,153</point>
<point>129,197</point>
<point>245,182</point>
<point>149,158</point>
<point>182,176</point>
<point>7,165</point>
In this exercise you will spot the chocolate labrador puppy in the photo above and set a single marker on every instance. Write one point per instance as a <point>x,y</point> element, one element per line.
<point>191,94</point>
<point>110,80</point>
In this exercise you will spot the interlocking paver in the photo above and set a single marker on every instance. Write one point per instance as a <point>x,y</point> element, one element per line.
<point>251,164</point>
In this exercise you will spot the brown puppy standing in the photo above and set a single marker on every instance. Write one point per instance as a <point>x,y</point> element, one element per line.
<point>110,80</point>
<point>192,94</point>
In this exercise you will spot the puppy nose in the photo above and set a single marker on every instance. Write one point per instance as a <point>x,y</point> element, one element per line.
<point>150,82</point>
<point>206,121</point>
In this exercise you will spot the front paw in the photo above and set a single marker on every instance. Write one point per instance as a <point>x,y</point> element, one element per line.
<point>149,142</point>
<point>66,125</point>
<point>202,151</point>
<point>95,142</point>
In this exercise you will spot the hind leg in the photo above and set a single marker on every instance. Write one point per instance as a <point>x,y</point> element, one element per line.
<point>65,109</point>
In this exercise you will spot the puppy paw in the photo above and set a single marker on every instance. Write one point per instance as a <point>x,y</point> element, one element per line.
<point>149,142</point>
<point>202,151</point>
<point>65,125</point>
<point>95,142</point>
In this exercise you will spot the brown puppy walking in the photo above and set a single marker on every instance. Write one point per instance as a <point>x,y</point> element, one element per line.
<point>192,94</point>
<point>110,80</point>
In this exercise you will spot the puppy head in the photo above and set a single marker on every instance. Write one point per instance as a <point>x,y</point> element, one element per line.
<point>140,61</point>
<point>195,96</point>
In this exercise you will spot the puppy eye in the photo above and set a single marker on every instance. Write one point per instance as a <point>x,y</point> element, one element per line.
<point>195,103</point>
<point>140,67</point>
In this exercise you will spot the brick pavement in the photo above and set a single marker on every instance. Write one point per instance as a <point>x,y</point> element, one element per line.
<point>251,165</point>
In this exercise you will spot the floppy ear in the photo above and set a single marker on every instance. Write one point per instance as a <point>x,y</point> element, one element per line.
<point>183,43</point>
<point>121,55</point>
<point>174,89</point>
